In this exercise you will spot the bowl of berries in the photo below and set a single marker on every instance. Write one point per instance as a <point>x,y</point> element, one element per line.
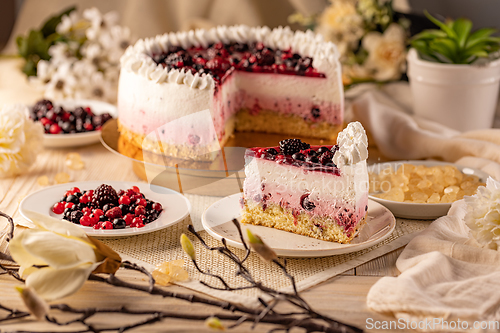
<point>111,209</point>
<point>71,123</point>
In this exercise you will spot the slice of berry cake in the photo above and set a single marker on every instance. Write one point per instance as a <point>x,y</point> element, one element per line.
<point>316,191</point>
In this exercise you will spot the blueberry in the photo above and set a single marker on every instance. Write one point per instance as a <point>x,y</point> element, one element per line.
<point>119,223</point>
<point>103,218</point>
<point>272,151</point>
<point>305,203</point>
<point>75,216</point>
<point>312,159</point>
<point>315,112</point>
<point>107,207</point>
<point>72,198</point>
<point>299,157</point>
<point>322,150</point>
<point>124,208</point>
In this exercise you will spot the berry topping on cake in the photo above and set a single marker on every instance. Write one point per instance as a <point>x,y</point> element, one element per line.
<point>103,195</point>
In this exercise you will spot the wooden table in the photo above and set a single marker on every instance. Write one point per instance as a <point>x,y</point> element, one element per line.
<point>342,297</point>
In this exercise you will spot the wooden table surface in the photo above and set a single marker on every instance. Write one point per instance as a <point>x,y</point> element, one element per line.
<point>342,297</point>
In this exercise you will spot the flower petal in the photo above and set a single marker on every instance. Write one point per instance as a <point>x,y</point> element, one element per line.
<point>56,250</point>
<point>61,227</point>
<point>52,283</point>
<point>23,257</point>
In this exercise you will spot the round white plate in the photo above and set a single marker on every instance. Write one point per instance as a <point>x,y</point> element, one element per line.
<point>78,139</point>
<point>217,221</point>
<point>175,206</point>
<point>423,211</point>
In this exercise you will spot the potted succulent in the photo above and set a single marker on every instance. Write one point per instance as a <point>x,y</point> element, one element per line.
<point>454,74</point>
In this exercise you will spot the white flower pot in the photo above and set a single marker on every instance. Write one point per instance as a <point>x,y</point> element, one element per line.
<point>463,97</point>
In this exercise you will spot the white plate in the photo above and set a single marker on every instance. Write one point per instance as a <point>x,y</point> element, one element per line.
<point>217,221</point>
<point>424,211</point>
<point>78,139</point>
<point>175,206</point>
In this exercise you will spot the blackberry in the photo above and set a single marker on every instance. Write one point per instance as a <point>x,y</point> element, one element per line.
<point>292,146</point>
<point>103,195</point>
<point>75,216</point>
<point>334,149</point>
<point>326,158</point>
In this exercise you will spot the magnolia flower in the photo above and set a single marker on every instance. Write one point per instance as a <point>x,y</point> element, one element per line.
<point>386,53</point>
<point>341,24</point>
<point>483,214</point>
<point>20,140</point>
<point>56,257</point>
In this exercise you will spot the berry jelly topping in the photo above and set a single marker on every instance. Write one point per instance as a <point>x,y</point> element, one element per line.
<point>57,120</point>
<point>298,153</point>
<point>104,208</point>
<point>219,60</point>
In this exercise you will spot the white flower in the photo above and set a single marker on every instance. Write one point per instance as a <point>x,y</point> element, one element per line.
<point>63,83</point>
<point>63,52</point>
<point>483,214</point>
<point>342,24</point>
<point>115,41</point>
<point>56,257</point>
<point>386,53</point>
<point>20,140</point>
<point>97,87</point>
<point>68,23</point>
<point>99,22</point>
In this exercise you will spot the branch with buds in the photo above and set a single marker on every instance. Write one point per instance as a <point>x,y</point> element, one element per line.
<point>302,317</point>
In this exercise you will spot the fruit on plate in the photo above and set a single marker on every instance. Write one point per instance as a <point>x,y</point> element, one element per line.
<point>57,120</point>
<point>105,208</point>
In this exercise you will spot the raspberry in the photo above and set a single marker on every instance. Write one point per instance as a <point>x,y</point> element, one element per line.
<point>140,210</point>
<point>114,213</point>
<point>141,202</point>
<point>104,194</point>
<point>157,206</point>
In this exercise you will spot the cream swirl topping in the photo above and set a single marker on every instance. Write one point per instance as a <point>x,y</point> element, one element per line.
<point>353,145</point>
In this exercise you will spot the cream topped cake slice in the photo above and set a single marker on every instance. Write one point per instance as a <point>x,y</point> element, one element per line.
<point>316,191</point>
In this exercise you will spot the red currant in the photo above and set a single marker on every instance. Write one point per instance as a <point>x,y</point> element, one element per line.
<point>94,219</point>
<point>136,189</point>
<point>129,218</point>
<point>98,225</point>
<point>124,200</point>
<point>85,220</point>
<point>84,199</point>
<point>107,225</point>
<point>58,208</point>
<point>75,190</point>
<point>157,206</point>
<point>55,129</point>
<point>136,220</point>
<point>69,205</point>
<point>141,202</point>
<point>139,225</point>
<point>86,211</point>
<point>140,210</point>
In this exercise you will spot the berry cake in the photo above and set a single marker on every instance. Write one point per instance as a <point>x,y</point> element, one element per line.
<point>184,94</point>
<point>316,191</point>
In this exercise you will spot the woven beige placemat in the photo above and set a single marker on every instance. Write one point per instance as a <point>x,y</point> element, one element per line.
<point>150,249</point>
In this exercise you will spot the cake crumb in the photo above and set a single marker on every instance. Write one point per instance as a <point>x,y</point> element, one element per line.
<point>169,272</point>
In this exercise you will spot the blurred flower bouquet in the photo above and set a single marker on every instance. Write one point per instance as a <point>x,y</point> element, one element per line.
<point>75,56</point>
<point>372,45</point>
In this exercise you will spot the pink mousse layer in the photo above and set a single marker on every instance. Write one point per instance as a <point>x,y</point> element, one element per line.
<point>227,102</point>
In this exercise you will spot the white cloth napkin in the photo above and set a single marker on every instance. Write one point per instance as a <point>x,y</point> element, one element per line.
<point>399,135</point>
<point>445,275</point>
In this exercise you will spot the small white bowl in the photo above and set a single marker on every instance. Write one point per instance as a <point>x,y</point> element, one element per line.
<point>78,139</point>
<point>420,211</point>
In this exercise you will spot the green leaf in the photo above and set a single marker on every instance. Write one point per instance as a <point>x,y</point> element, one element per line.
<point>50,25</point>
<point>478,36</point>
<point>445,47</point>
<point>430,34</point>
<point>449,31</point>
<point>462,27</point>
<point>29,67</point>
